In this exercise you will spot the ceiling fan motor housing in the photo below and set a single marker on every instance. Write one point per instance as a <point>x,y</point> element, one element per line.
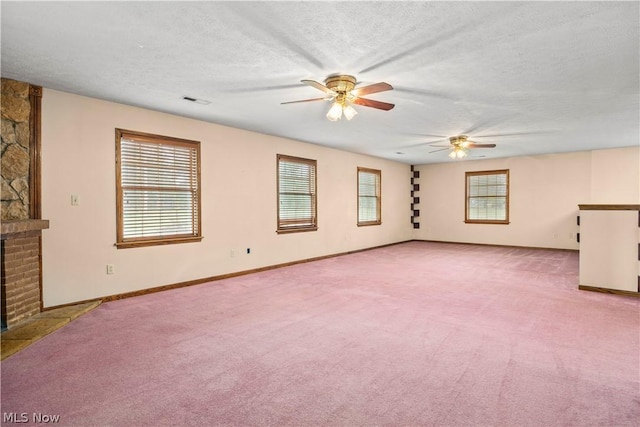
<point>460,140</point>
<point>340,83</point>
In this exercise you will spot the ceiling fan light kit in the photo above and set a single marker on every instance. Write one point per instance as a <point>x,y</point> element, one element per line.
<point>349,112</point>
<point>342,90</point>
<point>461,144</point>
<point>341,106</point>
<point>458,153</point>
<point>335,112</point>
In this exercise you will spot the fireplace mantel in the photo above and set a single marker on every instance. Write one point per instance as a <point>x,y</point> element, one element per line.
<point>22,226</point>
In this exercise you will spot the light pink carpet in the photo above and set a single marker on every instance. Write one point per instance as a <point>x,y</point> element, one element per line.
<point>413,334</point>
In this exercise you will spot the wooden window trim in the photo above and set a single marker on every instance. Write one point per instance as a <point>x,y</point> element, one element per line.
<point>466,197</point>
<point>35,150</point>
<point>378,173</point>
<point>156,242</point>
<point>121,242</point>
<point>314,219</point>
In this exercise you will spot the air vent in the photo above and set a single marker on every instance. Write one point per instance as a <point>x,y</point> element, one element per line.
<point>196,100</point>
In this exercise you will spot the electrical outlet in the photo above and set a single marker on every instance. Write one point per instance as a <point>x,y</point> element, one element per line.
<point>248,251</point>
<point>75,200</point>
<point>232,253</point>
<point>110,269</point>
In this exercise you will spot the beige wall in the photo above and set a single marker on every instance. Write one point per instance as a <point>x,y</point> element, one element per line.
<point>545,192</point>
<point>238,202</point>
<point>609,249</point>
<point>615,176</point>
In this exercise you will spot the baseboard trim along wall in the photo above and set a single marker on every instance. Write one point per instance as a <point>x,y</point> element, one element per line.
<point>609,291</point>
<point>495,245</point>
<point>286,264</point>
<point>214,278</point>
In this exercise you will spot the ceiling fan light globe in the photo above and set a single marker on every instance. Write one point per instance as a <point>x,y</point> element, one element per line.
<point>349,112</point>
<point>460,154</point>
<point>335,112</point>
<point>452,154</point>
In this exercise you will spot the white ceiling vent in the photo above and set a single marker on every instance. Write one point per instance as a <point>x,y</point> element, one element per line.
<point>196,100</point>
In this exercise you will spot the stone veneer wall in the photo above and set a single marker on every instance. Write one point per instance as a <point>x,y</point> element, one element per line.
<point>16,134</point>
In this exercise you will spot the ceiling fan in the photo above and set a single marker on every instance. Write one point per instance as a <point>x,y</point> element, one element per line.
<point>460,146</point>
<point>341,89</point>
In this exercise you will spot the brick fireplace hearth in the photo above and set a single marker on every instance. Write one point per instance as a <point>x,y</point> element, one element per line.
<point>21,269</point>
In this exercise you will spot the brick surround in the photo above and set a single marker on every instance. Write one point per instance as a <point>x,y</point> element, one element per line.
<point>21,269</point>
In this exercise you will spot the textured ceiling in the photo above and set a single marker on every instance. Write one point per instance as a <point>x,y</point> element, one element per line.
<point>531,77</point>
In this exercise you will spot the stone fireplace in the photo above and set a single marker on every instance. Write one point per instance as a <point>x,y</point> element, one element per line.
<point>21,228</point>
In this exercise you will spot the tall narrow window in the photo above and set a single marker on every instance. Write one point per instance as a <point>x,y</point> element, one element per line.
<point>158,189</point>
<point>487,197</point>
<point>297,202</point>
<point>369,197</point>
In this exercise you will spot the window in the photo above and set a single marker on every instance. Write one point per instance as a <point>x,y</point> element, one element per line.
<point>369,197</point>
<point>297,201</point>
<point>487,197</point>
<point>158,189</point>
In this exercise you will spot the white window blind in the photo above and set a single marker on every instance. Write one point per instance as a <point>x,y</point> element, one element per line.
<point>487,196</point>
<point>158,188</point>
<point>297,209</point>
<point>369,196</point>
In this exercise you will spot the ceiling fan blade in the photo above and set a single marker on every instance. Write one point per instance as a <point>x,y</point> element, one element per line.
<point>374,104</point>
<point>442,149</point>
<point>304,100</point>
<point>474,145</point>
<point>434,145</point>
<point>318,86</point>
<point>374,88</point>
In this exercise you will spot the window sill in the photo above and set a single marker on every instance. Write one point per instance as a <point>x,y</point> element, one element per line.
<point>157,242</point>
<point>366,224</point>
<point>473,221</point>
<point>295,230</point>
